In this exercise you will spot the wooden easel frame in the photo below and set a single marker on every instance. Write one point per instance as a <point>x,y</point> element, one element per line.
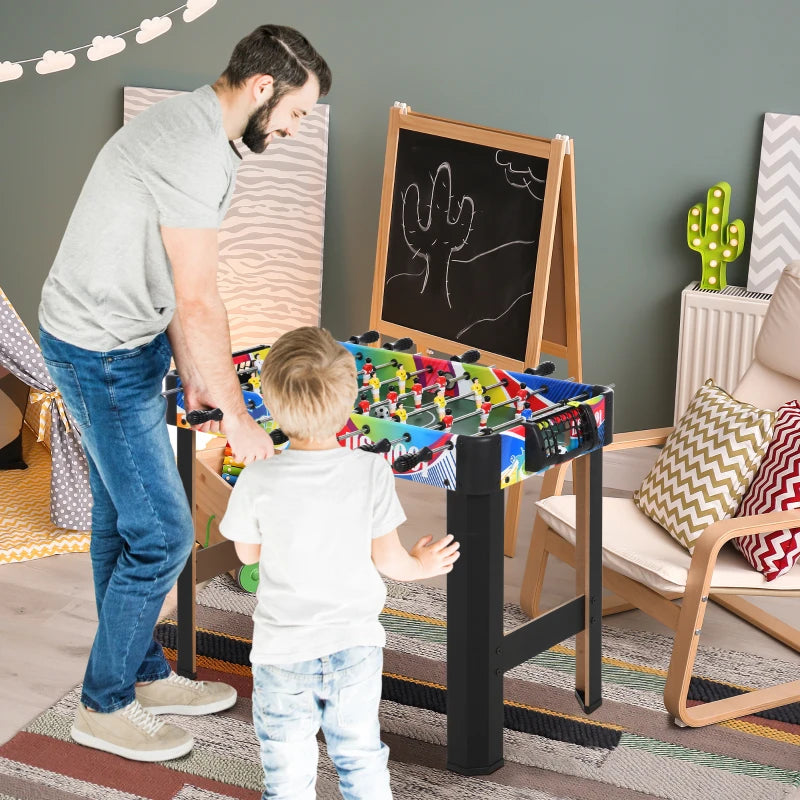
<point>555,326</point>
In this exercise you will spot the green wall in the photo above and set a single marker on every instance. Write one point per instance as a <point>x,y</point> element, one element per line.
<point>662,98</point>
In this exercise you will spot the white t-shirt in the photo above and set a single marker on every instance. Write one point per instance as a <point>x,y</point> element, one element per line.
<point>314,513</point>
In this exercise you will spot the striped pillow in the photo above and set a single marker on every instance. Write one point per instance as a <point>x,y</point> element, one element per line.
<point>707,464</point>
<point>776,487</point>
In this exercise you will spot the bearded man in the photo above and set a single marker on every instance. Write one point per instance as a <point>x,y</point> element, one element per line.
<point>134,284</point>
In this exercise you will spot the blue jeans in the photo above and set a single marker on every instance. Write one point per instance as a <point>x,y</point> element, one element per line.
<point>142,530</point>
<point>340,693</point>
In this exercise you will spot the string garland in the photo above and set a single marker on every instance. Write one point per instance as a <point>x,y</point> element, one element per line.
<point>105,46</point>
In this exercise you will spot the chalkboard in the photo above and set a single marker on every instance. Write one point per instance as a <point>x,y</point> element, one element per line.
<point>471,222</point>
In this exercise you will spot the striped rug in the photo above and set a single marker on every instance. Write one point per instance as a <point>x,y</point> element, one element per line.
<point>627,750</point>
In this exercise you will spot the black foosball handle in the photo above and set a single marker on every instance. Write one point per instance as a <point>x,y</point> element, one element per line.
<point>401,344</point>
<point>545,368</point>
<point>381,446</point>
<point>407,462</point>
<point>469,357</point>
<point>199,416</point>
<point>278,436</point>
<point>368,337</point>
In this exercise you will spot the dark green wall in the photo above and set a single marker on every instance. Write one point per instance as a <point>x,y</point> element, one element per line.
<point>663,99</point>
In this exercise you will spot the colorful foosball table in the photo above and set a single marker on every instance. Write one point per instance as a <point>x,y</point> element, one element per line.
<point>472,430</point>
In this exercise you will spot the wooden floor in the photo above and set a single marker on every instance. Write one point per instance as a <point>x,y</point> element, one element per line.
<point>47,613</point>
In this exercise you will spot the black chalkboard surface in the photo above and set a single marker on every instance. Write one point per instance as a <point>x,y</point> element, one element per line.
<point>463,241</point>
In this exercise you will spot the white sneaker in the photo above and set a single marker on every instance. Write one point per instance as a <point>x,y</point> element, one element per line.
<point>130,732</point>
<point>178,695</point>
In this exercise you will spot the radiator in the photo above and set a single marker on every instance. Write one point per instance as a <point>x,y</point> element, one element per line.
<point>717,338</point>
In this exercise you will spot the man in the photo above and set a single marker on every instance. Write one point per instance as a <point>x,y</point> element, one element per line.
<point>134,284</point>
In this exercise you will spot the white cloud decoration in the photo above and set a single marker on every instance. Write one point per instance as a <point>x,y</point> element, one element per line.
<point>151,28</point>
<point>10,71</point>
<point>55,61</point>
<point>194,8</point>
<point>105,46</point>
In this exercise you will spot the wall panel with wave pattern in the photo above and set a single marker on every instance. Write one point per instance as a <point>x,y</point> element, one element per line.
<point>270,244</point>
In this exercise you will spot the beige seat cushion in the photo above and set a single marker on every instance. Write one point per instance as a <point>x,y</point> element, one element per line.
<point>638,548</point>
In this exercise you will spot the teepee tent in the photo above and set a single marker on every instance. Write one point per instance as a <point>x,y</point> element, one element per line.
<point>70,495</point>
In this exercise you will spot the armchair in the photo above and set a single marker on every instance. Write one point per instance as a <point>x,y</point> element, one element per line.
<point>646,568</point>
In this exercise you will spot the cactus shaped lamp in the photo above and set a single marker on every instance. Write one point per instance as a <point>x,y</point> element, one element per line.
<point>709,233</point>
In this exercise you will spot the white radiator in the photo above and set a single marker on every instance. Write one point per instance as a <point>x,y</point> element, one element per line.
<point>717,338</point>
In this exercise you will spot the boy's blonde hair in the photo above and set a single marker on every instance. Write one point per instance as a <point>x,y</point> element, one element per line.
<point>309,384</point>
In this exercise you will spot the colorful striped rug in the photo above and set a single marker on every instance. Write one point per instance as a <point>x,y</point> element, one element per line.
<point>627,750</point>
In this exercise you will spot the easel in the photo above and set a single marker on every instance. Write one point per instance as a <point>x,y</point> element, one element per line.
<point>555,327</point>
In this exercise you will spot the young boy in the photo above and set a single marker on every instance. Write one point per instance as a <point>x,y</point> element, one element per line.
<point>321,520</point>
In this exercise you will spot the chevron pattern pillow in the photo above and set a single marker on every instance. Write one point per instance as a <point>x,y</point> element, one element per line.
<point>707,464</point>
<point>776,487</point>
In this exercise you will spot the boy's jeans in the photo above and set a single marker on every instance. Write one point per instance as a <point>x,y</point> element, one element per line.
<point>141,526</point>
<point>341,693</point>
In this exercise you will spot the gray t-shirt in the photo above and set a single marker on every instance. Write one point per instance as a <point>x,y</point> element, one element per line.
<point>315,514</point>
<point>110,285</point>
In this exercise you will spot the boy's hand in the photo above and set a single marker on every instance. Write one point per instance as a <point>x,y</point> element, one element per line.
<point>435,558</point>
<point>247,439</point>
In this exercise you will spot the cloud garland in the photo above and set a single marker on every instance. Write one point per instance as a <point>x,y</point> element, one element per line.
<point>105,46</point>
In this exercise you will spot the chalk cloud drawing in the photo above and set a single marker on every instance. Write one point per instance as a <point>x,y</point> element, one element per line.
<point>520,178</point>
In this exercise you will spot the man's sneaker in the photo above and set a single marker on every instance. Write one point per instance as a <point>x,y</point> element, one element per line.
<point>130,732</point>
<point>178,695</point>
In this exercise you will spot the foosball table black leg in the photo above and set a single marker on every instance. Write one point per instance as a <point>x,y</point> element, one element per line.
<point>187,648</point>
<point>475,611</point>
<point>588,477</point>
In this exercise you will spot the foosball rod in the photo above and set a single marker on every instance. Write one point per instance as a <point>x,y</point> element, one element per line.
<point>540,390</point>
<point>364,429</point>
<point>543,413</point>
<point>376,367</point>
<point>407,461</point>
<point>384,445</point>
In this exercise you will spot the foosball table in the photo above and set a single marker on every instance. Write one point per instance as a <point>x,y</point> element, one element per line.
<point>473,430</point>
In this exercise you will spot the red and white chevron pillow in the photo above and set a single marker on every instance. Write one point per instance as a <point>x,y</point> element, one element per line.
<point>776,487</point>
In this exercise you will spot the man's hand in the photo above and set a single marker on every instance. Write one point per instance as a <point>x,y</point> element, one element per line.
<point>197,400</point>
<point>248,440</point>
<point>435,558</point>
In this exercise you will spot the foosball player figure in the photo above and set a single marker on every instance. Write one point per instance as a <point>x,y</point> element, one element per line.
<point>447,419</point>
<point>477,392</point>
<point>363,406</point>
<point>486,408</point>
<point>400,415</point>
<point>441,404</point>
<point>441,384</point>
<point>402,377</point>
<point>255,382</point>
<point>367,370</point>
<point>416,389</point>
<point>520,398</point>
<point>375,385</point>
<point>526,412</point>
<point>391,396</point>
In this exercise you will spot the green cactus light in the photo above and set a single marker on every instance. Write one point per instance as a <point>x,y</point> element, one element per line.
<point>708,232</point>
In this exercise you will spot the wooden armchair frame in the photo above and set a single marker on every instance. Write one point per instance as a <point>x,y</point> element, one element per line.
<point>687,619</point>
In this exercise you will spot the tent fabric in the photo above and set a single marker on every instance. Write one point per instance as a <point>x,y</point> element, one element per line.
<point>70,494</point>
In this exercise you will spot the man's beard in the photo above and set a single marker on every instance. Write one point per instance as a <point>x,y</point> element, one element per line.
<point>255,132</point>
